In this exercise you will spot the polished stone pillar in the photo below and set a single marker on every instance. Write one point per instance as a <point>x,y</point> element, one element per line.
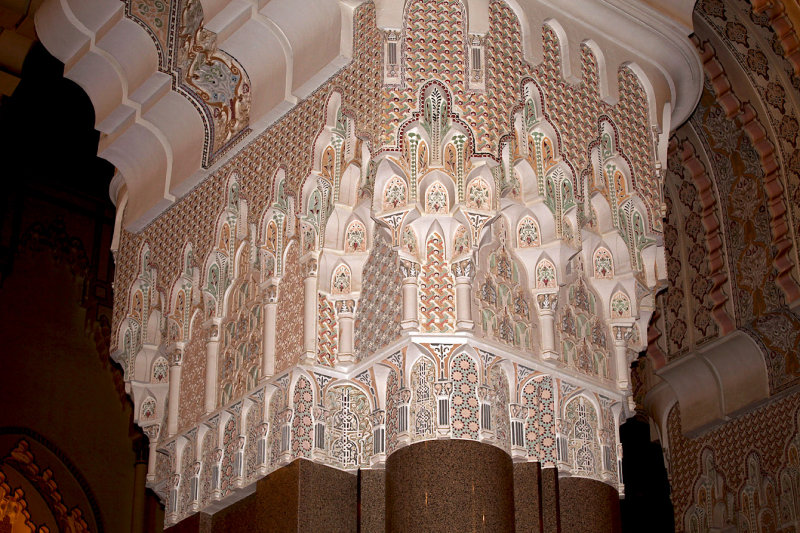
<point>372,500</point>
<point>449,485</point>
<point>588,506</point>
<point>301,496</point>
<point>551,512</point>
<point>528,497</point>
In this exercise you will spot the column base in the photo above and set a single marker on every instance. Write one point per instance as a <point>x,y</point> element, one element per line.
<point>308,358</point>
<point>411,325</point>
<point>465,325</point>
<point>345,361</point>
<point>550,356</point>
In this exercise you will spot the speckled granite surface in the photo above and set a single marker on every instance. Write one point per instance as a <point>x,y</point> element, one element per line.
<point>527,497</point>
<point>196,523</point>
<point>588,506</point>
<point>328,499</point>
<point>430,486</point>
<point>302,496</point>
<point>551,515</point>
<point>449,485</point>
<point>372,501</point>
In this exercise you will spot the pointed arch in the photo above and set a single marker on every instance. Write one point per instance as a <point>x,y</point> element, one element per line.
<point>479,194</point>
<point>437,199</point>
<point>584,451</point>
<point>422,413</point>
<point>349,409</point>
<point>528,232</point>
<point>460,241</point>
<point>160,370</point>
<point>620,306</point>
<point>546,277</point>
<point>437,292</point>
<point>355,237</point>
<point>302,421</point>
<point>395,194</point>
<point>465,408</point>
<point>147,410</point>
<point>341,279</point>
<point>603,263</point>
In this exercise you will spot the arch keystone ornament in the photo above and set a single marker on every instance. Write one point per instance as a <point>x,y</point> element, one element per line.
<point>432,251</point>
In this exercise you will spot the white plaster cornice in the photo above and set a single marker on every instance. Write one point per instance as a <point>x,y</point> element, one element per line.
<point>152,134</point>
<point>155,136</point>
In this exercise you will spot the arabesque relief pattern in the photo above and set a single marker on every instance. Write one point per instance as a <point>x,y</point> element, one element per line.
<point>328,265</point>
<point>730,239</point>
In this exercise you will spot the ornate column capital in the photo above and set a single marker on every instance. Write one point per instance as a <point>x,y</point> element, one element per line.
<point>547,302</point>
<point>378,417</point>
<point>270,292</point>
<point>310,267</point>
<point>176,355</point>
<point>152,431</point>
<point>464,269</point>
<point>622,334</point>
<point>213,325</point>
<point>443,388</point>
<point>319,413</point>
<point>345,307</point>
<point>518,411</point>
<point>405,395</point>
<point>409,269</point>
